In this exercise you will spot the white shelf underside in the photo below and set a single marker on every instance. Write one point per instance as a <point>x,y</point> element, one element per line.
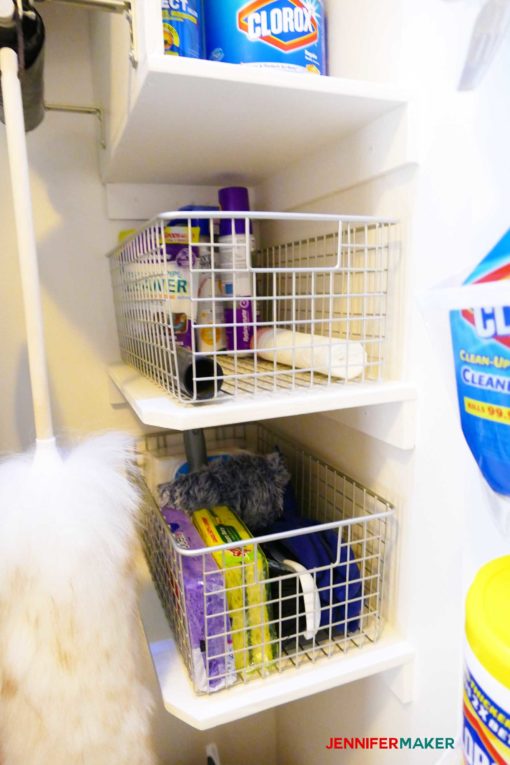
<point>156,408</point>
<point>208,711</point>
<point>257,121</point>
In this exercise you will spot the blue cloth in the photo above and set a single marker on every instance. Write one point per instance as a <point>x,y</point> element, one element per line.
<point>319,550</point>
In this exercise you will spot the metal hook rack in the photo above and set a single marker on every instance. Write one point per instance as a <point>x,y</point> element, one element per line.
<point>72,109</point>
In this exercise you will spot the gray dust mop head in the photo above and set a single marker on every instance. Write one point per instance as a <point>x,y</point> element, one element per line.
<point>252,486</point>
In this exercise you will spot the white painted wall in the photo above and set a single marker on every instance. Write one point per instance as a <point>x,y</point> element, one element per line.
<point>73,235</point>
<point>457,208</point>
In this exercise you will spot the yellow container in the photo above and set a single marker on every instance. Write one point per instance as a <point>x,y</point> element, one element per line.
<point>486,730</point>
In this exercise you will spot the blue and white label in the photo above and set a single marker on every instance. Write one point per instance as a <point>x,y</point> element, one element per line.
<point>481,346</point>
<point>288,34</point>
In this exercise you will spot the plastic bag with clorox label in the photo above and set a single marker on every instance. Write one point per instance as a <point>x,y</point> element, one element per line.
<point>481,345</point>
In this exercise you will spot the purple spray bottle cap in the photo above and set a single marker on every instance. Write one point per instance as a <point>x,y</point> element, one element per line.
<point>234,198</point>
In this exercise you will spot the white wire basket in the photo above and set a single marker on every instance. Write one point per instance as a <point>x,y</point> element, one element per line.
<point>298,303</point>
<point>266,615</point>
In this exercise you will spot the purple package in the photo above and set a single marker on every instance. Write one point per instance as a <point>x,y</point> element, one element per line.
<point>240,326</point>
<point>211,647</point>
<point>179,279</point>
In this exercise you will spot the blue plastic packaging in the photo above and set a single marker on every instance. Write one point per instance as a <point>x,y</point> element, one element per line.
<point>182,27</point>
<point>285,34</point>
<point>481,345</point>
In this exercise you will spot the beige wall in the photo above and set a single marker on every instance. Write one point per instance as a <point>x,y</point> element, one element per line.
<point>73,236</point>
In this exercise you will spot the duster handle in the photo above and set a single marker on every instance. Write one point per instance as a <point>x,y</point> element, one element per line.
<point>18,163</point>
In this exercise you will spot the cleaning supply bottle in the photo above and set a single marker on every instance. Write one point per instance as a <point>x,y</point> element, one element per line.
<point>486,728</point>
<point>211,336</point>
<point>236,243</point>
<point>210,316</point>
<point>182,27</point>
<point>281,34</point>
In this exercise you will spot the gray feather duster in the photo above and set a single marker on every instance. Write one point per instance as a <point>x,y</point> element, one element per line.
<point>252,486</point>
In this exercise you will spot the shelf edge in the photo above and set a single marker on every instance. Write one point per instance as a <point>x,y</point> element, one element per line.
<point>154,407</point>
<point>206,712</point>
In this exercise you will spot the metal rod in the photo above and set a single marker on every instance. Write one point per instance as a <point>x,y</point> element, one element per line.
<point>117,6</point>
<point>94,110</point>
<point>68,108</point>
<point>195,448</point>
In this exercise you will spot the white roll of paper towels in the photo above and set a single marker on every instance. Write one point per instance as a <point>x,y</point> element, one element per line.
<point>345,359</point>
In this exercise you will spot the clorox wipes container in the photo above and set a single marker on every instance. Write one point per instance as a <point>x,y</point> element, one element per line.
<point>486,729</point>
<point>283,34</point>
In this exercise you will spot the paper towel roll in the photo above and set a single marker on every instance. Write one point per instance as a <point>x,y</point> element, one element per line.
<point>344,359</point>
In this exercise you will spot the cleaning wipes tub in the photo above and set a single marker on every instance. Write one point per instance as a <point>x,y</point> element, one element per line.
<point>481,345</point>
<point>486,728</point>
<point>283,34</point>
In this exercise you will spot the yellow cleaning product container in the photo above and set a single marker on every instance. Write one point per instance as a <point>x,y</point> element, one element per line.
<point>486,730</point>
<point>246,572</point>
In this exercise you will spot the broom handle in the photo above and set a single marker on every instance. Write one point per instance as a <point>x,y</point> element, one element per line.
<point>27,253</point>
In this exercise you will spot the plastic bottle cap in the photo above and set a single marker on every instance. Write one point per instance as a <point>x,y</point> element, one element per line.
<point>488,618</point>
<point>234,198</point>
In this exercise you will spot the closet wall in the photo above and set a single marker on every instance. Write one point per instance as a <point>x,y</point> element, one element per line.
<point>73,235</point>
<point>455,208</point>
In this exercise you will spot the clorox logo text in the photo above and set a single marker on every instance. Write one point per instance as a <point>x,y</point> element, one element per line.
<point>287,26</point>
<point>493,322</point>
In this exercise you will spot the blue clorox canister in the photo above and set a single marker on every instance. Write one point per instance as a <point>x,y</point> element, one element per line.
<point>284,34</point>
<point>182,27</point>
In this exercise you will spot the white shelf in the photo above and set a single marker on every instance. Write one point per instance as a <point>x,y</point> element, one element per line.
<point>205,712</point>
<point>206,123</point>
<point>154,407</point>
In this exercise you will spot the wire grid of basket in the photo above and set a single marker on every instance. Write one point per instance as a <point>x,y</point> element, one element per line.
<point>260,623</point>
<point>319,276</point>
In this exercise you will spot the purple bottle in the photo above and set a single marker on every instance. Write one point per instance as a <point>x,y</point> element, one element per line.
<point>237,242</point>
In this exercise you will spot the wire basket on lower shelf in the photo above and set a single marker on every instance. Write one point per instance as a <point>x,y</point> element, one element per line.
<point>300,303</point>
<point>252,608</point>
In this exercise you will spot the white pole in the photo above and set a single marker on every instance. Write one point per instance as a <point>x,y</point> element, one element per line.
<point>18,163</point>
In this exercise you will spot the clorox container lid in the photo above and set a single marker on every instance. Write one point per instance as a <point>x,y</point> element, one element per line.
<point>488,618</point>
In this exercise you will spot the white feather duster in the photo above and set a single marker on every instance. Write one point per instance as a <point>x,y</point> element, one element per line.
<point>70,638</point>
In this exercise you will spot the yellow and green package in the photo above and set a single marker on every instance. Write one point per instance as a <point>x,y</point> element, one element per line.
<point>246,571</point>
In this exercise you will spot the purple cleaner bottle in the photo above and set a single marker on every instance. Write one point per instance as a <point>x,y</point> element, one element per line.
<point>237,242</point>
